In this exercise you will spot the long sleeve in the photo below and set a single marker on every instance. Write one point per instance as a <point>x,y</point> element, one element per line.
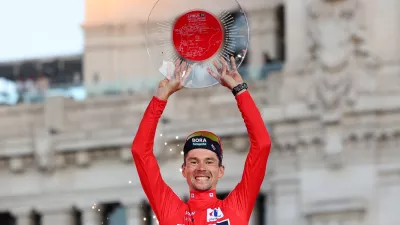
<point>162,199</point>
<point>243,197</point>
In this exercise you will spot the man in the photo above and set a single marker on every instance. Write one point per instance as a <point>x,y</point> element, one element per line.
<point>202,165</point>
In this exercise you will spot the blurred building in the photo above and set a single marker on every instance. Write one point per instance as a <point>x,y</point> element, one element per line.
<point>31,80</point>
<point>332,111</point>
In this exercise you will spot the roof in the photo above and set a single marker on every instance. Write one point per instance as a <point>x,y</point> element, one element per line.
<point>66,57</point>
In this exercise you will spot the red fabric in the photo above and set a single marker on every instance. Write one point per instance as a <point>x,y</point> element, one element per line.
<point>202,207</point>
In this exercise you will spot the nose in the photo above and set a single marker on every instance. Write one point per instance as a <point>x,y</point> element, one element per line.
<point>201,167</point>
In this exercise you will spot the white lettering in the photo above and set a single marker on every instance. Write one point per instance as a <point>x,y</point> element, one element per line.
<point>199,140</point>
<point>190,213</point>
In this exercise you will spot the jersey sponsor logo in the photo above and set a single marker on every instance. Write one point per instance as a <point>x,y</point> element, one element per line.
<point>190,213</point>
<point>225,222</point>
<point>189,216</point>
<point>214,214</point>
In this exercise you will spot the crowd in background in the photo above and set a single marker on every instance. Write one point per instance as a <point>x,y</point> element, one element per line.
<point>31,81</point>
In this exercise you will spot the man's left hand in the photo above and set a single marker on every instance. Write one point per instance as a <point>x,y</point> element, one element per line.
<point>229,78</point>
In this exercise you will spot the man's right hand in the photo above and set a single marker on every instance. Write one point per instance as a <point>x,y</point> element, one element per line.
<point>174,81</point>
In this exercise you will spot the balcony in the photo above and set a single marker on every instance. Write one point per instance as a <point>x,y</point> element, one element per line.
<point>9,94</point>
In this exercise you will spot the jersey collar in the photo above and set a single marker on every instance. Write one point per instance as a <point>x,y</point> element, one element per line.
<point>202,195</point>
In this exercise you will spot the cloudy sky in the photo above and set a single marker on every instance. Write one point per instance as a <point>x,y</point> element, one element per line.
<point>40,28</point>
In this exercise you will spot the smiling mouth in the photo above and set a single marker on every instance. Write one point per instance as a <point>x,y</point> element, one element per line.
<point>202,178</point>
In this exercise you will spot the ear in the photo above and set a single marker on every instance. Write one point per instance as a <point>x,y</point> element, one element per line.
<point>221,171</point>
<point>183,168</point>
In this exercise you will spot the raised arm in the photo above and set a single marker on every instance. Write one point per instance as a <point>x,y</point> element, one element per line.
<point>244,195</point>
<point>163,200</point>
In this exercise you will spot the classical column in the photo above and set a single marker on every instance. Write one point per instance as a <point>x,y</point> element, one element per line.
<point>133,213</point>
<point>91,216</point>
<point>255,56</point>
<point>269,208</point>
<point>296,30</point>
<point>384,18</point>
<point>22,216</point>
<point>262,39</point>
<point>387,195</point>
<point>56,215</point>
<point>287,208</point>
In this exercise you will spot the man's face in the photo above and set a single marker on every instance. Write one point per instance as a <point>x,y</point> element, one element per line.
<point>202,170</point>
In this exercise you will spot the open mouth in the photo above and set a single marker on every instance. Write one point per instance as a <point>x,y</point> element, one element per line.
<point>202,178</point>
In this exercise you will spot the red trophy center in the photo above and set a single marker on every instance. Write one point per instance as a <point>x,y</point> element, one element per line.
<point>197,35</point>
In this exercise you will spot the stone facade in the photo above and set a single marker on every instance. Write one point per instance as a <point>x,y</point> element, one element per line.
<point>333,114</point>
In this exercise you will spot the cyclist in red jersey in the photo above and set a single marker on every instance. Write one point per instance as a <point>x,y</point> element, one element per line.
<point>202,166</point>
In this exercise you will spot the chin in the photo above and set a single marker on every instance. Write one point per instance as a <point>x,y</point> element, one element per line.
<point>202,188</point>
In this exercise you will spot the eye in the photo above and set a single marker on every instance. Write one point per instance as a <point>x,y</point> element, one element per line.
<point>210,162</point>
<point>193,162</point>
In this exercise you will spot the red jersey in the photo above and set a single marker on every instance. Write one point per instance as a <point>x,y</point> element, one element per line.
<point>203,207</point>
